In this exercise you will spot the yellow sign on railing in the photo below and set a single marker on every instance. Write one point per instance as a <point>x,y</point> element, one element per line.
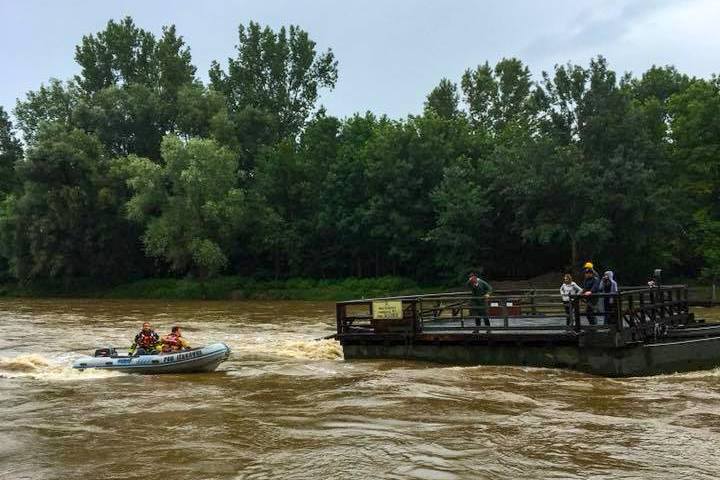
<point>387,310</point>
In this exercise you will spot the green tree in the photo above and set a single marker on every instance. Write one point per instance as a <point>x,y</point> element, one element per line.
<point>278,73</point>
<point>443,100</point>
<point>124,54</point>
<point>198,109</point>
<point>247,132</point>
<point>289,179</point>
<point>10,153</point>
<point>125,119</point>
<point>695,114</point>
<point>344,197</point>
<point>53,103</point>
<point>596,188</point>
<point>64,217</point>
<point>131,84</point>
<point>189,205</point>
<point>497,97</point>
<point>463,231</point>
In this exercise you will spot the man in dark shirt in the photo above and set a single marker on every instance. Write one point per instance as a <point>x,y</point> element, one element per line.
<point>480,291</point>
<point>591,284</point>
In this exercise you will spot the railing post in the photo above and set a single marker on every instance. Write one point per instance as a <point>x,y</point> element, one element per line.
<point>654,310</point>
<point>416,322</point>
<point>661,305</point>
<point>533,308</point>
<point>340,312</point>
<point>643,323</point>
<point>618,312</point>
<point>506,322</point>
<point>462,314</point>
<point>575,308</point>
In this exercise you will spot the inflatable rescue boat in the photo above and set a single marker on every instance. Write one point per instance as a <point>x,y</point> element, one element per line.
<point>204,359</point>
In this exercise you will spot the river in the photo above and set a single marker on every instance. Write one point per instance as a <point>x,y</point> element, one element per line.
<point>288,406</point>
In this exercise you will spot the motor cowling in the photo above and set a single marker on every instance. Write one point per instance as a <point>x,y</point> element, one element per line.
<point>105,352</point>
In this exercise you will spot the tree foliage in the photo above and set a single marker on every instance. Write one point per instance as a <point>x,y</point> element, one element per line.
<point>10,153</point>
<point>279,73</point>
<point>189,206</point>
<point>64,218</point>
<point>136,168</point>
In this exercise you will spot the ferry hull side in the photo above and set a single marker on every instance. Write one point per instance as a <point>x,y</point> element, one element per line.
<point>630,361</point>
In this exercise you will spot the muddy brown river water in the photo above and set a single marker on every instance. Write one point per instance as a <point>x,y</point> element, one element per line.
<point>287,406</point>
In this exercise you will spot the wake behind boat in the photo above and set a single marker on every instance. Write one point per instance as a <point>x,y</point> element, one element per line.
<point>204,359</point>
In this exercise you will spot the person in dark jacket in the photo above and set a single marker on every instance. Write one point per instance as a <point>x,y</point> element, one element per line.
<point>591,284</point>
<point>146,341</point>
<point>480,290</point>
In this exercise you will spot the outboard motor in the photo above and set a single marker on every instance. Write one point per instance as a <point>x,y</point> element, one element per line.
<point>105,352</point>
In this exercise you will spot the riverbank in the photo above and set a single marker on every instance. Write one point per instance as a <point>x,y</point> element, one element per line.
<point>228,288</point>
<point>245,288</point>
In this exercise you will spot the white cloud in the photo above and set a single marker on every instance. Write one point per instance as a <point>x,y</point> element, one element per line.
<point>684,35</point>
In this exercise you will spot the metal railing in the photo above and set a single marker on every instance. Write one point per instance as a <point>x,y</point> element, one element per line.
<point>640,313</point>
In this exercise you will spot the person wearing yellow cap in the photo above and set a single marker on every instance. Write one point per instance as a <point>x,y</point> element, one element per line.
<point>590,266</point>
<point>590,285</point>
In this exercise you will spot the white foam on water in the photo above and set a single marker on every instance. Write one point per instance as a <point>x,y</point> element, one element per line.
<point>311,349</point>
<point>37,367</point>
<point>291,348</point>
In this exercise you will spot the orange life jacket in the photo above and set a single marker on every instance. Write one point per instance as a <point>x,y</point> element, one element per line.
<point>146,339</point>
<point>171,343</point>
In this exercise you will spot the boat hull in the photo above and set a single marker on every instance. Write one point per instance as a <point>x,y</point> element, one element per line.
<point>205,359</point>
<point>628,361</point>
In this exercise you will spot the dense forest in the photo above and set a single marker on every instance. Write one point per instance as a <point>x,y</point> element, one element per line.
<point>135,168</point>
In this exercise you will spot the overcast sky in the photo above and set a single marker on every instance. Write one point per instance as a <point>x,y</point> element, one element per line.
<point>391,53</point>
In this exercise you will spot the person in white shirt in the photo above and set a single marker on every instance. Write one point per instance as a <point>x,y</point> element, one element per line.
<point>566,289</point>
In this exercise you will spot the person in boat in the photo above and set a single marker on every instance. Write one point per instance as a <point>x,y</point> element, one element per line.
<point>174,341</point>
<point>480,290</point>
<point>146,341</point>
<point>591,284</point>
<point>569,287</point>
<point>608,285</point>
